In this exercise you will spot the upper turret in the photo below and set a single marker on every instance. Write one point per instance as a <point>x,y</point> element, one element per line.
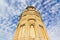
<point>30,10</point>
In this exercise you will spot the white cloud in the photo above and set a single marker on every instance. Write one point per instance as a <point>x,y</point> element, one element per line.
<point>1,2</point>
<point>54,31</point>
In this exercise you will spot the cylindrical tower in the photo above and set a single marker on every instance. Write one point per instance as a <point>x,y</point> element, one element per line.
<point>30,26</point>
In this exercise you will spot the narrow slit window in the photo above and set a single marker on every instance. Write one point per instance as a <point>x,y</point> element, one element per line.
<point>41,26</point>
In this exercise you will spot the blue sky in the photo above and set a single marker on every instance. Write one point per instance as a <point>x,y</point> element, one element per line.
<point>10,11</point>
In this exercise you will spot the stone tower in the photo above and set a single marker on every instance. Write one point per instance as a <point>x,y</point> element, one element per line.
<point>30,26</point>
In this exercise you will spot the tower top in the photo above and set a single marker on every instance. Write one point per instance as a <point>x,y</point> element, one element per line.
<point>30,10</point>
<point>30,7</point>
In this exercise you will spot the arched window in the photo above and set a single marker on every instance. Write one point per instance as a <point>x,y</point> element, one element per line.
<point>32,31</point>
<point>31,25</point>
